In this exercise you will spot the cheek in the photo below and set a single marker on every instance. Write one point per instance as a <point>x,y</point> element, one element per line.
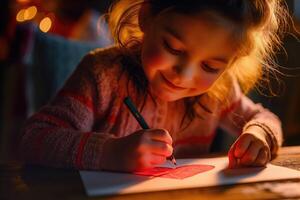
<point>209,81</point>
<point>206,81</point>
<point>155,58</point>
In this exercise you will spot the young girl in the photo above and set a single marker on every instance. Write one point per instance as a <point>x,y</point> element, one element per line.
<point>183,63</point>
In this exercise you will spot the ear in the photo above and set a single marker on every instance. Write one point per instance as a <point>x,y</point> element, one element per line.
<point>144,16</point>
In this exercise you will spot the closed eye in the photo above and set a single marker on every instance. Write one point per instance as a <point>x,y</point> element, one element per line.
<point>209,68</point>
<point>171,49</point>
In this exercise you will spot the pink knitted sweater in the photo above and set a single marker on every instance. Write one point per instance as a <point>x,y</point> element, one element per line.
<point>70,131</point>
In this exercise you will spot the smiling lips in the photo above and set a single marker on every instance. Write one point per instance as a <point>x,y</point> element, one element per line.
<point>170,84</point>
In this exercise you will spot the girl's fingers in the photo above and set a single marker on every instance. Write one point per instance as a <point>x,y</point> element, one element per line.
<point>262,158</point>
<point>157,159</point>
<point>160,148</point>
<point>160,135</point>
<point>148,160</point>
<point>251,153</point>
<point>242,144</point>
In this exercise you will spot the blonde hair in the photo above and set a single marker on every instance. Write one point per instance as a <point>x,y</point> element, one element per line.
<point>262,23</point>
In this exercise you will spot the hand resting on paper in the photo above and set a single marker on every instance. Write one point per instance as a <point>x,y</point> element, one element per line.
<point>139,150</point>
<point>252,148</point>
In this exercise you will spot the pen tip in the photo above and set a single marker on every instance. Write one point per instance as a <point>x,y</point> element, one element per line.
<point>174,161</point>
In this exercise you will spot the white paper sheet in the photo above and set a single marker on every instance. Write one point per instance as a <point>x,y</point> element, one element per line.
<point>98,183</point>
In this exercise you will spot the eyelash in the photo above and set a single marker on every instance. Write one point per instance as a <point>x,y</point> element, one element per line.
<point>170,49</point>
<point>209,69</point>
<point>205,67</point>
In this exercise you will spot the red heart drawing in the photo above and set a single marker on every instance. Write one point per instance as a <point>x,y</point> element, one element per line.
<point>180,172</point>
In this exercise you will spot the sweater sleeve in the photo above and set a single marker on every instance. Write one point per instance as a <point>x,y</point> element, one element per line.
<point>60,133</point>
<point>242,113</point>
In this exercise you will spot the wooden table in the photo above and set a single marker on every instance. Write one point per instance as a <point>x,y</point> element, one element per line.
<point>34,182</point>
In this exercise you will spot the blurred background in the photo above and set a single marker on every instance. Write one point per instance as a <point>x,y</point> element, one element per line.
<point>42,41</point>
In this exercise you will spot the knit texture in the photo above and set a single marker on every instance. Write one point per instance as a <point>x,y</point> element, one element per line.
<point>71,130</point>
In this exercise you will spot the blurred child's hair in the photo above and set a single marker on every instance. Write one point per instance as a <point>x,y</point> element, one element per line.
<point>259,27</point>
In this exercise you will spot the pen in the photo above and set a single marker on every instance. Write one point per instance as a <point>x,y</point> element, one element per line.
<point>141,120</point>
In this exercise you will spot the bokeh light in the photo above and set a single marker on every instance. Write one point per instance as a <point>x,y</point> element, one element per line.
<point>20,15</point>
<point>30,13</point>
<point>45,24</point>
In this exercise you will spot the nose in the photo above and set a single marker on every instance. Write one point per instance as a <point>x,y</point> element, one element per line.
<point>184,73</point>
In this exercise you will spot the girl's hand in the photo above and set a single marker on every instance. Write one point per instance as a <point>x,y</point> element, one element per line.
<point>250,149</point>
<point>142,149</point>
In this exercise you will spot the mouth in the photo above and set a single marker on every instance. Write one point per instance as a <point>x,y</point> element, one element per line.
<point>170,84</point>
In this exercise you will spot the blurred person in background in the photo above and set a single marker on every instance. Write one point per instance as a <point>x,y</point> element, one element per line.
<point>79,20</point>
<point>13,42</point>
<point>72,20</point>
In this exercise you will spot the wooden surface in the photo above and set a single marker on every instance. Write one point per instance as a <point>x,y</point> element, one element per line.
<point>34,182</point>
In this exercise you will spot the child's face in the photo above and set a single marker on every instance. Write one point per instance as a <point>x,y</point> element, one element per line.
<point>184,55</point>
